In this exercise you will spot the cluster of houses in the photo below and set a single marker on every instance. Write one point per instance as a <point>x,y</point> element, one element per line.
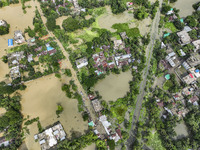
<point>102,128</point>
<point>103,61</point>
<point>180,100</point>
<point>186,69</point>
<point>14,63</point>
<point>50,137</point>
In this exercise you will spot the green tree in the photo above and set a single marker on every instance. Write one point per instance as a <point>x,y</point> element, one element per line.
<point>70,24</point>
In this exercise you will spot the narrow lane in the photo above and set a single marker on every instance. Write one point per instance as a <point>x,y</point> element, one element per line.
<point>149,50</point>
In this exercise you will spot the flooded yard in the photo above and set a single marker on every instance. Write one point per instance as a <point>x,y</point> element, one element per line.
<point>90,147</point>
<point>185,7</point>
<point>40,99</point>
<point>114,86</point>
<point>181,130</point>
<point>108,19</point>
<point>14,16</point>
<point>60,20</point>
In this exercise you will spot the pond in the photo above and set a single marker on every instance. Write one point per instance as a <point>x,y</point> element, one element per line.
<point>181,130</point>
<point>114,86</point>
<point>108,19</point>
<point>185,7</point>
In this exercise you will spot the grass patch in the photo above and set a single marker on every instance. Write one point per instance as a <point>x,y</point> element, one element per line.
<point>155,142</point>
<point>168,84</point>
<point>170,26</point>
<point>88,35</point>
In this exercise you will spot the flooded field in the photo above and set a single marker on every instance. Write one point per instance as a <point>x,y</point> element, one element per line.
<point>14,16</point>
<point>90,147</point>
<point>185,7</point>
<point>2,111</point>
<point>40,99</point>
<point>114,86</point>
<point>181,130</point>
<point>60,20</point>
<point>106,21</point>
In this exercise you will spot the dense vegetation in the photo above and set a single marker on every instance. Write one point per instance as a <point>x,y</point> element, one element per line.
<point>4,29</point>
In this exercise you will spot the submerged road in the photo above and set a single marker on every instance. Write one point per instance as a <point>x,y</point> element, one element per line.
<point>67,64</point>
<point>149,50</point>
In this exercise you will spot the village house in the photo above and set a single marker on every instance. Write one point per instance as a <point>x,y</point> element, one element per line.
<point>188,91</point>
<point>177,96</point>
<point>194,59</point>
<point>184,37</point>
<point>31,41</point>
<point>51,136</point>
<point>122,60</point>
<point>123,35</point>
<point>81,62</point>
<point>14,58</point>
<point>15,72</point>
<point>18,37</point>
<point>119,44</point>
<point>96,105</point>
<point>194,100</point>
<point>3,23</point>
<point>4,142</point>
<point>187,29</point>
<point>171,59</point>
<point>196,45</point>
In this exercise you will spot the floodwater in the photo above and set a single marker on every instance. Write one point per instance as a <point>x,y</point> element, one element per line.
<point>14,16</point>
<point>40,99</point>
<point>2,111</point>
<point>181,130</point>
<point>60,20</point>
<point>90,147</point>
<point>185,7</point>
<point>114,86</point>
<point>108,19</point>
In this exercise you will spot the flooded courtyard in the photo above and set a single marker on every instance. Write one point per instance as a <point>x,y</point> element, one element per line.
<point>114,86</point>
<point>40,99</point>
<point>185,7</point>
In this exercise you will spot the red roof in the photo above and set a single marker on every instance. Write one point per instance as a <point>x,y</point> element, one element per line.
<point>119,132</point>
<point>191,75</point>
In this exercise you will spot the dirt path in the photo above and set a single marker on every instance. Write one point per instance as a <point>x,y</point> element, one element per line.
<point>66,63</point>
<point>154,35</point>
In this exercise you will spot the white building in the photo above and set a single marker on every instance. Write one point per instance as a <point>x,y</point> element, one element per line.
<point>18,37</point>
<point>81,62</point>
<point>196,44</point>
<point>3,23</point>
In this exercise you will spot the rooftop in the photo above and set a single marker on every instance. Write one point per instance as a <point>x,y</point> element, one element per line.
<point>184,37</point>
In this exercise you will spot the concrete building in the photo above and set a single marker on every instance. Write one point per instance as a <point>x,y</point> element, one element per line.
<point>188,79</point>
<point>123,35</point>
<point>194,59</point>
<point>3,23</point>
<point>119,44</point>
<point>4,142</point>
<point>50,137</point>
<point>122,60</point>
<point>184,37</point>
<point>96,105</point>
<point>194,100</point>
<point>170,58</point>
<point>81,62</point>
<point>14,72</point>
<point>196,45</point>
<point>18,37</point>
<point>14,58</point>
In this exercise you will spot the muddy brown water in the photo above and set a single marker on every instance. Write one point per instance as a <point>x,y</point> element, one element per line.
<point>60,20</point>
<point>185,7</point>
<point>108,19</point>
<point>40,99</point>
<point>114,86</point>
<point>181,130</point>
<point>14,16</point>
<point>90,147</point>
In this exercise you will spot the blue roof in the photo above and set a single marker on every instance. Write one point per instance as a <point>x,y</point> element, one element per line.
<point>197,70</point>
<point>181,20</point>
<point>49,48</point>
<point>10,42</point>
